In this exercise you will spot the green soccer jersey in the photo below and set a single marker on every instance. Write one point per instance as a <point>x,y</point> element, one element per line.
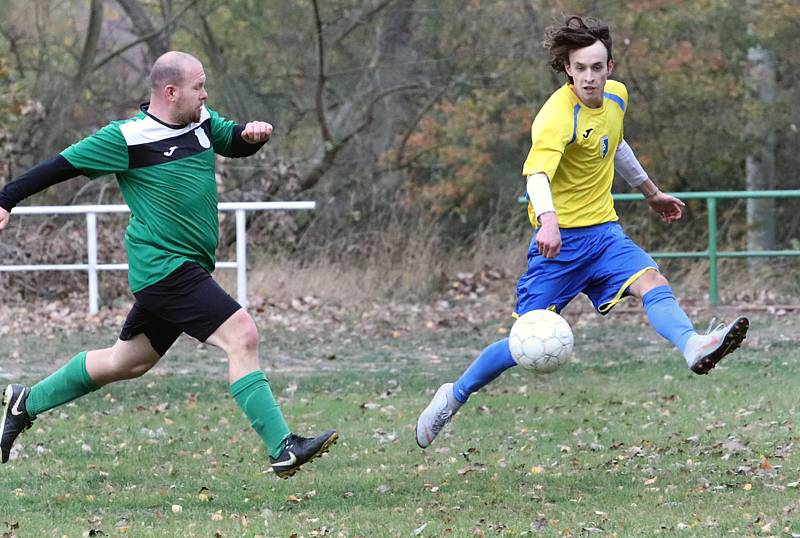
<point>167,177</point>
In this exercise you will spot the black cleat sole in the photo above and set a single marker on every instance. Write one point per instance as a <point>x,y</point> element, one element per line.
<point>6,404</point>
<point>330,441</point>
<point>733,339</point>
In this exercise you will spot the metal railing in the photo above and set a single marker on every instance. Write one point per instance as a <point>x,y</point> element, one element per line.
<point>92,266</point>
<point>711,252</point>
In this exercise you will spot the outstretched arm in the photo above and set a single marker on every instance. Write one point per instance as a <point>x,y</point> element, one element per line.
<point>248,139</point>
<point>626,165</point>
<point>37,179</point>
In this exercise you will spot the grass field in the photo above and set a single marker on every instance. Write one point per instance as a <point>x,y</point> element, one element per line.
<point>624,441</point>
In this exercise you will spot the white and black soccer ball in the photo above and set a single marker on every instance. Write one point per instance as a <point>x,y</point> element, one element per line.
<point>540,340</point>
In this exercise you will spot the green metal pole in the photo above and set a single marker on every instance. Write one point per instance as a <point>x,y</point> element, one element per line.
<point>712,249</point>
<point>711,252</point>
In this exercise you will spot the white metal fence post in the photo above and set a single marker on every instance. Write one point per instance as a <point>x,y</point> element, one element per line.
<point>241,257</point>
<point>91,242</point>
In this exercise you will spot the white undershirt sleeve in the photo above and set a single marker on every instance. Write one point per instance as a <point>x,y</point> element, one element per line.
<point>628,167</point>
<point>539,194</point>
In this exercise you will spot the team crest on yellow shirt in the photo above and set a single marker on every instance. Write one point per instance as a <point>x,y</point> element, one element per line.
<point>603,147</point>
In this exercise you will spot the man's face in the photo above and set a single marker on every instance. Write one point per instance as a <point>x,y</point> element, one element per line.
<point>589,68</point>
<point>191,95</point>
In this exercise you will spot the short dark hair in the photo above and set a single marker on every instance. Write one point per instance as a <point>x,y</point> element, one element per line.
<point>576,33</point>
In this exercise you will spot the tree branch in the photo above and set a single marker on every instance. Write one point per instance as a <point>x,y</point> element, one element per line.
<point>144,38</point>
<point>90,45</point>
<point>402,147</point>
<point>333,148</point>
<point>361,20</point>
<point>319,98</point>
<point>156,42</point>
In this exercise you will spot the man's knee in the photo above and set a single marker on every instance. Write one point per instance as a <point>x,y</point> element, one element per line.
<point>654,278</point>
<point>649,280</point>
<point>240,332</point>
<point>248,336</point>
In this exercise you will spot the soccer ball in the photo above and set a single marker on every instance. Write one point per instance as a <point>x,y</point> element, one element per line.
<point>540,340</point>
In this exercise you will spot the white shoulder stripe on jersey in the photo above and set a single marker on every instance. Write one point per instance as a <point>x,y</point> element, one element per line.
<point>145,130</point>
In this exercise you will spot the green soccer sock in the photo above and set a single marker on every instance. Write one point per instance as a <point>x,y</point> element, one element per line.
<point>254,396</point>
<point>70,382</point>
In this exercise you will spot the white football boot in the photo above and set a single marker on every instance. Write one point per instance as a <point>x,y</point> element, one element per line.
<point>704,351</point>
<point>438,413</point>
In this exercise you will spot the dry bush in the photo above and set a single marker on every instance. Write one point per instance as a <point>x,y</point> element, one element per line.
<point>56,240</point>
<point>401,261</point>
<point>397,255</point>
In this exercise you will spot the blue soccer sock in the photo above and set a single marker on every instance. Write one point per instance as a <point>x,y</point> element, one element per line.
<point>492,362</point>
<point>666,317</point>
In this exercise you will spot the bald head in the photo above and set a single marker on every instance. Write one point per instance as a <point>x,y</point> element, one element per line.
<point>177,88</point>
<point>172,68</point>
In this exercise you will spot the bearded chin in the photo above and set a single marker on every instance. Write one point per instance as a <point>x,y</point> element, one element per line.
<point>189,117</point>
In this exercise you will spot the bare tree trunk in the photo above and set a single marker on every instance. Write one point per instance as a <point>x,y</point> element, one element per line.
<point>163,33</point>
<point>78,81</point>
<point>396,65</point>
<point>760,162</point>
<point>157,42</point>
<point>334,139</point>
<point>235,89</point>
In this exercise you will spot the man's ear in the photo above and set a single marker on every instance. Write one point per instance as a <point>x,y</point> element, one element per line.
<point>610,66</point>
<point>170,92</point>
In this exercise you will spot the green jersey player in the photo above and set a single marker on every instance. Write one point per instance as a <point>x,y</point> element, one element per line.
<point>164,160</point>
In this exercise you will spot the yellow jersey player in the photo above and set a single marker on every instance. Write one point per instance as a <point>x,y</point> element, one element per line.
<point>578,245</point>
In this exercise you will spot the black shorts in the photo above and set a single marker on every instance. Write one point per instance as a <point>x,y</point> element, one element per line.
<point>188,300</point>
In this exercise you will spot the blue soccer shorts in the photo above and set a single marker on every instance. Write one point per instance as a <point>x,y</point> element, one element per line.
<point>600,261</point>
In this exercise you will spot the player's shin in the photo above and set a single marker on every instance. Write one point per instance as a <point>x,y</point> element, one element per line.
<point>666,317</point>
<point>66,384</point>
<point>492,362</point>
<point>254,397</point>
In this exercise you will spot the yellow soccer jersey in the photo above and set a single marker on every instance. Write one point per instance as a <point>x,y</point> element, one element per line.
<point>575,146</point>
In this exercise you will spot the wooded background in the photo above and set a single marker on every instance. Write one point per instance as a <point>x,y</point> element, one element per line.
<point>390,112</point>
